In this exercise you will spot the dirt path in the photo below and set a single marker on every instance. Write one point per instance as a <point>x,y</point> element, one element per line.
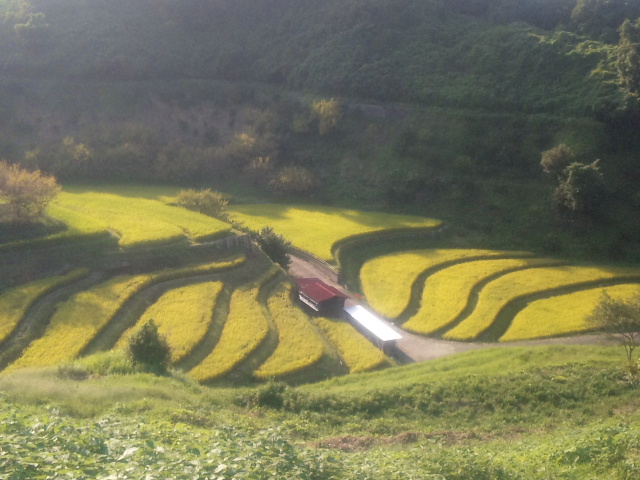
<point>417,348</point>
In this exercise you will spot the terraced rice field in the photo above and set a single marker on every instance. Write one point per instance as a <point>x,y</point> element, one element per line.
<point>78,320</point>
<point>562,314</point>
<point>387,280</point>
<point>139,220</point>
<point>185,316</point>
<point>299,345</point>
<point>476,295</point>
<point>243,331</point>
<point>182,316</point>
<point>357,352</point>
<point>15,302</point>
<point>446,293</point>
<point>316,229</point>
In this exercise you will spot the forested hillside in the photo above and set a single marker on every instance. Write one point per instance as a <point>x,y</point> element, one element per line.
<point>424,106</point>
<point>538,55</point>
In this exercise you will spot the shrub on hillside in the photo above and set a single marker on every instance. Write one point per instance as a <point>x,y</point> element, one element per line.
<point>274,246</point>
<point>206,201</point>
<point>25,193</point>
<point>294,180</point>
<point>150,350</point>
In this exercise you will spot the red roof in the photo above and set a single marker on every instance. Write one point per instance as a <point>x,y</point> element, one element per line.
<point>317,290</point>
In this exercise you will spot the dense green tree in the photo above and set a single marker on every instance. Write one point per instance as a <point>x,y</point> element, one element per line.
<point>581,188</point>
<point>149,349</point>
<point>275,246</point>
<point>555,160</point>
<point>628,57</point>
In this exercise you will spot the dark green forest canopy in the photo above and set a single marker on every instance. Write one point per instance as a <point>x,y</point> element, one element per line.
<point>533,55</point>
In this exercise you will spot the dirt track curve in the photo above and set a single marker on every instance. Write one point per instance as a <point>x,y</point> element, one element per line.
<point>417,348</point>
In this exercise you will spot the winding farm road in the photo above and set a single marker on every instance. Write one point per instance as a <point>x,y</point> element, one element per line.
<point>417,348</point>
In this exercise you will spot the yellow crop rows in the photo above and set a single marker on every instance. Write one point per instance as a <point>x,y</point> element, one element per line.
<point>243,331</point>
<point>299,346</point>
<point>562,314</point>
<point>387,280</point>
<point>138,221</point>
<point>316,229</point>
<point>446,292</point>
<point>499,292</point>
<point>77,321</point>
<point>182,316</point>
<point>359,354</point>
<point>15,302</point>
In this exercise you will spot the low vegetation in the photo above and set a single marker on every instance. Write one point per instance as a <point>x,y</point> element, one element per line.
<point>523,414</point>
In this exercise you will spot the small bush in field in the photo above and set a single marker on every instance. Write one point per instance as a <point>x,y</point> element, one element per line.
<point>206,201</point>
<point>150,350</point>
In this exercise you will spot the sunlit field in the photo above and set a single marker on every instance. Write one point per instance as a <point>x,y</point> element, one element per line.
<point>137,220</point>
<point>299,346</point>
<point>562,314</point>
<point>316,229</point>
<point>182,316</point>
<point>243,331</point>
<point>501,291</point>
<point>446,292</point>
<point>15,302</point>
<point>358,353</point>
<point>78,320</point>
<point>387,280</point>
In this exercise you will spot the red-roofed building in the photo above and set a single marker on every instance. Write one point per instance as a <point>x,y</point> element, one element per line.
<point>319,296</point>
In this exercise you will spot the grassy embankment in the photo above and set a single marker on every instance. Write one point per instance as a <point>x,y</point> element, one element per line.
<point>550,412</point>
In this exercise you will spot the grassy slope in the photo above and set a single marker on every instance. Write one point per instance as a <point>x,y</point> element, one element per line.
<point>553,412</point>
